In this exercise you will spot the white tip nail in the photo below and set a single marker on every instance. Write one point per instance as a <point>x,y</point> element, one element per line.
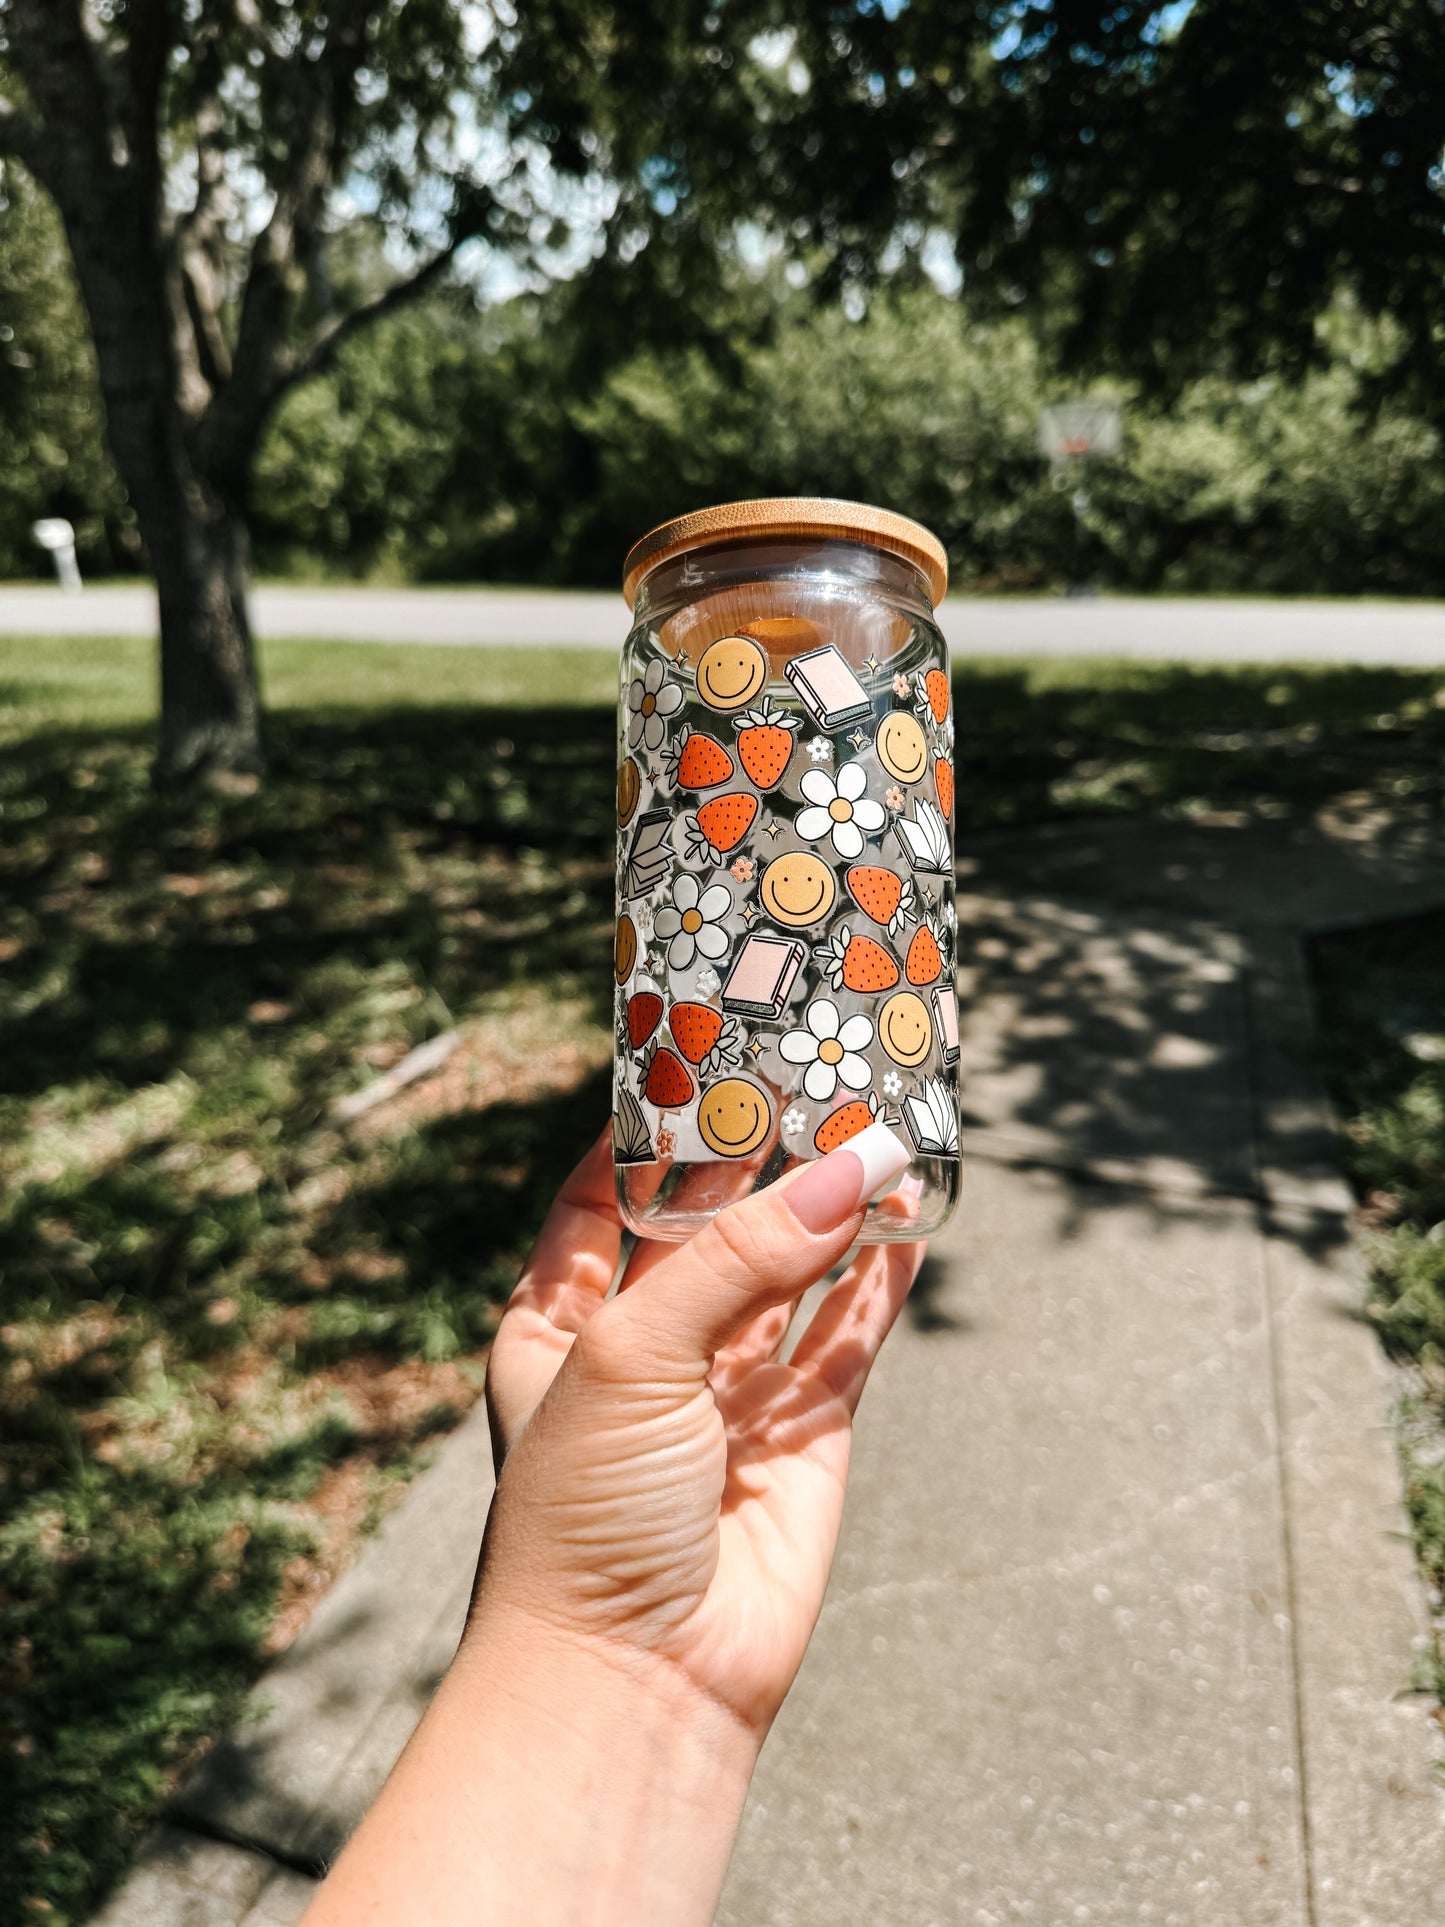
<point>883,1156</point>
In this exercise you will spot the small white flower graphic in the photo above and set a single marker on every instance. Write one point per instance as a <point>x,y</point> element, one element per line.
<point>650,699</point>
<point>892,1083</point>
<point>829,1047</point>
<point>820,749</point>
<point>689,923</point>
<point>794,1121</point>
<point>707,981</point>
<point>839,810</point>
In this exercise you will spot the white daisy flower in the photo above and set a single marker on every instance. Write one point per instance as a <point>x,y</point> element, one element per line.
<point>892,1083</point>
<point>794,1121</point>
<point>689,924</point>
<point>840,809</point>
<point>820,749</point>
<point>650,699</point>
<point>829,1047</point>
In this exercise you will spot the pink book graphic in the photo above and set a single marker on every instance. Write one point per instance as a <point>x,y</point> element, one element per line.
<point>831,693</point>
<point>759,981</point>
<point>945,1021</point>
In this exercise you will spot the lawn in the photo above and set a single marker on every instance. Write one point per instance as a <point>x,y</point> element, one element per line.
<point>232,1322</point>
<point>1381,995</point>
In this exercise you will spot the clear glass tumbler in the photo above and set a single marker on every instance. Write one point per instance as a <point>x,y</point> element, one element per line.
<point>785,917</point>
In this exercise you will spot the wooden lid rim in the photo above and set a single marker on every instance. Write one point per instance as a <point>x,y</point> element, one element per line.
<point>776,518</point>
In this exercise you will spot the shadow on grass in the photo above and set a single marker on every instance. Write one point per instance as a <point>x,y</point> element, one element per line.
<point>186,985</point>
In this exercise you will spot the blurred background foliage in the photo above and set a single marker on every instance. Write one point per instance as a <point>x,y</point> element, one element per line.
<point>534,441</point>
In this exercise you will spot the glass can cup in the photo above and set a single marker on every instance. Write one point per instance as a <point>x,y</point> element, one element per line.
<point>786,934</point>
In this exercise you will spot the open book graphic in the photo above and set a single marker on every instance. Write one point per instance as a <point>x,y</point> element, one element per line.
<point>932,1120</point>
<point>924,841</point>
<point>631,1139</point>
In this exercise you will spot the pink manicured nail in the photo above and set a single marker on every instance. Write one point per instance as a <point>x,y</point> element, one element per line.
<point>833,1188</point>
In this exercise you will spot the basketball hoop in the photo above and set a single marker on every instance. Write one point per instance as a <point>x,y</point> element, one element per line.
<point>1079,431</point>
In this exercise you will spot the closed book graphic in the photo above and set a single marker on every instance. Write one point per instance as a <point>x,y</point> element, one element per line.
<point>830,691</point>
<point>945,1021</point>
<point>759,981</point>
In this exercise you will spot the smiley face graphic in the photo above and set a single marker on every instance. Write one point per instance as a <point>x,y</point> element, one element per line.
<point>797,889</point>
<point>902,746</point>
<point>626,952</point>
<point>905,1029</point>
<point>629,788</point>
<point>731,672</point>
<point>734,1117</point>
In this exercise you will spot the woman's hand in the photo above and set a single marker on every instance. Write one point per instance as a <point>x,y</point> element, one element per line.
<point>669,1489</point>
<point>668,1502</point>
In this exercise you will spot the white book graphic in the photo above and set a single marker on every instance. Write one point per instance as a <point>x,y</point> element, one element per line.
<point>931,1120</point>
<point>924,840</point>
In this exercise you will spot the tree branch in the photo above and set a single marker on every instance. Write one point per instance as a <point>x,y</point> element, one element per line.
<point>55,56</point>
<point>328,341</point>
<point>151,24</point>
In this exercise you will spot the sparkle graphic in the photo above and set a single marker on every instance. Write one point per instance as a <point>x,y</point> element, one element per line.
<point>772,827</point>
<point>748,913</point>
<point>755,1050</point>
<point>871,664</point>
<point>681,657</point>
<point>857,739</point>
<point>928,896</point>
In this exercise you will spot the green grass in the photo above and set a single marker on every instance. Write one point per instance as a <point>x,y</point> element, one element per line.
<point>228,1324</point>
<point>1382,1008</point>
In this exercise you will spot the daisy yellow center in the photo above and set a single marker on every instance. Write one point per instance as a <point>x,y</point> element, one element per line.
<point>692,921</point>
<point>830,1051</point>
<point>649,703</point>
<point>840,809</point>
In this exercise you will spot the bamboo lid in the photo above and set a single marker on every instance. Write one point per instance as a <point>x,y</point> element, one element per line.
<point>778,517</point>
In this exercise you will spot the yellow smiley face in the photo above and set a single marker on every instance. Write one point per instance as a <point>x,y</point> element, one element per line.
<point>902,746</point>
<point>797,889</point>
<point>734,1117</point>
<point>626,951</point>
<point>905,1029</point>
<point>731,672</point>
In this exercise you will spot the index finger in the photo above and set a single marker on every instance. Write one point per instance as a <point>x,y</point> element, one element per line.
<point>570,1268</point>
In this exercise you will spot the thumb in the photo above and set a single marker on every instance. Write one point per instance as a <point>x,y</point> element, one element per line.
<point>764,1251</point>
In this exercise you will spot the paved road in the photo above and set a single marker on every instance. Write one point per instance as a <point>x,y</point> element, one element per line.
<point>1178,629</point>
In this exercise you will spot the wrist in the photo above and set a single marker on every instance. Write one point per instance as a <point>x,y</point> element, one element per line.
<point>627,1777</point>
<point>557,1778</point>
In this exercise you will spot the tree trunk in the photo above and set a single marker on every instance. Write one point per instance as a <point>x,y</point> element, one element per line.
<point>189,502</point>
<point>210,707</point>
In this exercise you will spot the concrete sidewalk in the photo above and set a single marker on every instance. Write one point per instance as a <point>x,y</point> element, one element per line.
<point>1164,628</point>
<point>1124,1617</point>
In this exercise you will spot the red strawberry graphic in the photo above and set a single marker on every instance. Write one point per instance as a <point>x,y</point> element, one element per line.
<point>879,894</point>
<point>644,1014</point>
<point>924,962</point>
<point>720,825</point>
<point>668,1085</point>
<point>943,783</point>
<point>765,742</point>
<point>856,963</point>
<point>935,685</point>
<point>695,1029</point>
<point>698,763</point>
<point>847,1121</point>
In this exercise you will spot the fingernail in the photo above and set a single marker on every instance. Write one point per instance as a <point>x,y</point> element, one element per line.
<point>833,1188</point>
